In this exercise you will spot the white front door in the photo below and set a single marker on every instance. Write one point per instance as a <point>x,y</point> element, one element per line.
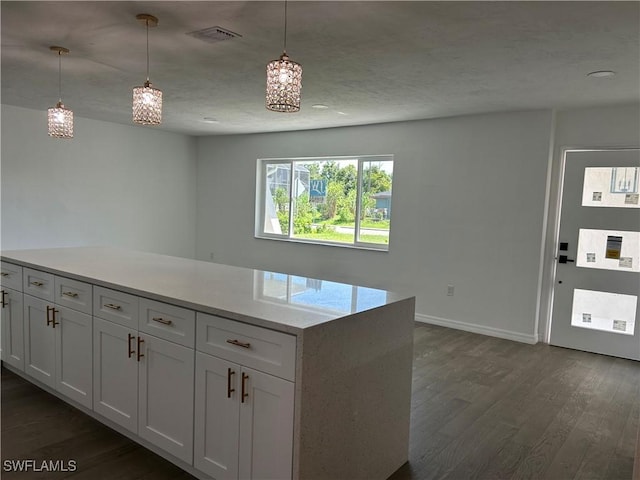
<point>597,282</point>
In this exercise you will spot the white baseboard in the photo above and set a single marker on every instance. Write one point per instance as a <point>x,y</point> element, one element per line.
<point>481,329</point>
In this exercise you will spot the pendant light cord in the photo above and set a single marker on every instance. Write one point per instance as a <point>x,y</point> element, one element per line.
<point>147,22</point>
<point>285,27</point>
<point>60,77</point>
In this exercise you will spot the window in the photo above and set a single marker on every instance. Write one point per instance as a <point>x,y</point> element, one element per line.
<point>343,201</point>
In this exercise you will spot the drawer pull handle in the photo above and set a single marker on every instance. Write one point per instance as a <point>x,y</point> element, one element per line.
<point>238,343</point>
<point>70,294</point>
<point>4,302</point>
<point>244,393</point>
<point>131,352</point>
<point>36,284</point>
<point>229,389</point>
<point>112,306</point>
<point>162,320</point>
<point>140,342</point>
<point>4,274</point>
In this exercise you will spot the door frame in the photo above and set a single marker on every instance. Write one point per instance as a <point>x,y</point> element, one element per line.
<point>555,183</point>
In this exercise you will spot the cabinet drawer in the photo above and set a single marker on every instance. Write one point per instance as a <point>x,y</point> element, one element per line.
<point>116,306</point>
<point>37,283</point>
<point>256,347</point>
<point>11,276</point>
<point>166,321</point>
<point>73,294</point>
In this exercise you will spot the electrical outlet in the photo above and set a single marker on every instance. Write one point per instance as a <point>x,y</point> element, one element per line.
<point>450,290</point>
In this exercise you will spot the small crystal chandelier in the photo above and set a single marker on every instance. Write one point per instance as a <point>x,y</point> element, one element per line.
<point>60,119</point>
<point>147,101</point>
<point>284,80</point>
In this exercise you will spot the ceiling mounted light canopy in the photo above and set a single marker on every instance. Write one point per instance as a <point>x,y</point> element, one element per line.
<point>602,74</point>
<point>284,80</point>
<point>60,118</point>
<point>147,101</point>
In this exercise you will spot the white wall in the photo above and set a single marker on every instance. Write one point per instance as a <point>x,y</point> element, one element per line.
<point>469,201</point>
<point>611,126</point>
<point>597,127</point>
<point>112,185</point>
<point>469,204</point>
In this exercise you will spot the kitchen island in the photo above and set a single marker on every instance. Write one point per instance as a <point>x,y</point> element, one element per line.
<point>227,372</point>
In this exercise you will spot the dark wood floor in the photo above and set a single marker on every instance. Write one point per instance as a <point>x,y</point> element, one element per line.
<point>482,408</point>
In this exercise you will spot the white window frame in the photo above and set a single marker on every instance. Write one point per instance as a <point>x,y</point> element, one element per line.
<point>261,174</point>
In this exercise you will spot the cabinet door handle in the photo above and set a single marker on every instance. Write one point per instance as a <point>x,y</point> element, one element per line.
<point>48,317</point>
<point>4,303</point>
<point>36,284</point>
<point>4,274</point>
<point>131,352</point>
<point>162,320</point>
<point>112,306</point>
<point>140,342</point>
<point>229,389</point>
<point>244,393</point>
<point>70,294</point>
<point>238,343</point>
<point>53,319</point>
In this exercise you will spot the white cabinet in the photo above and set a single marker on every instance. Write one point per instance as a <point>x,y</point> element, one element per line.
<point>172,323</point>
<point>243,421</point>
<point>57,339</point>
<point>37,283</point>
<point>217,416</point>
<point>73,294</point>
<point>338,423</point>
<point>243,417</point>
<point>11,337</point>
<point>266,426</point>
<point>39,340</point>
<point>57,347</point>
<point>11,317</point>
<point>73,335</point>
<point>11,276</point>
<point>142,382</point>
<point>115,373</point>
<point>165,396</point>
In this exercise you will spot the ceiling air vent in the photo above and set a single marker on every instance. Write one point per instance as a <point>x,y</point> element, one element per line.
<point>214,34</point>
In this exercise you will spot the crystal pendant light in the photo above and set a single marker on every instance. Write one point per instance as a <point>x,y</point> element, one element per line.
<point>284,80</point>
<point>60,119</point>
<point>147,101</point>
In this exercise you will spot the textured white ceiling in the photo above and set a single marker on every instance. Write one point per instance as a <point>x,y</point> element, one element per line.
<point>369,62</point>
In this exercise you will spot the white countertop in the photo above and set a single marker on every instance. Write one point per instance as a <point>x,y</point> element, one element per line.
<point>284,302</point>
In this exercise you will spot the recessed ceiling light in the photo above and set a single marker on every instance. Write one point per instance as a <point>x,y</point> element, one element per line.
<point>319,106</point>
<point>210,120</point>
<point>342,113</point>
<point>601,74</point>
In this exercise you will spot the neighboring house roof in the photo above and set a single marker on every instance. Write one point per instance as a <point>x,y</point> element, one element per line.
<point>381,195</point>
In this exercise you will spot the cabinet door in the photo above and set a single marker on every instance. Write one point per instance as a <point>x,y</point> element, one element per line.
<point>11,314</point>
<point>39,341</point>
<point>74,357</point>
<point>165,411</point>
<point>217,410</point>
<point>266,426</point>
<point>115,373</point>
